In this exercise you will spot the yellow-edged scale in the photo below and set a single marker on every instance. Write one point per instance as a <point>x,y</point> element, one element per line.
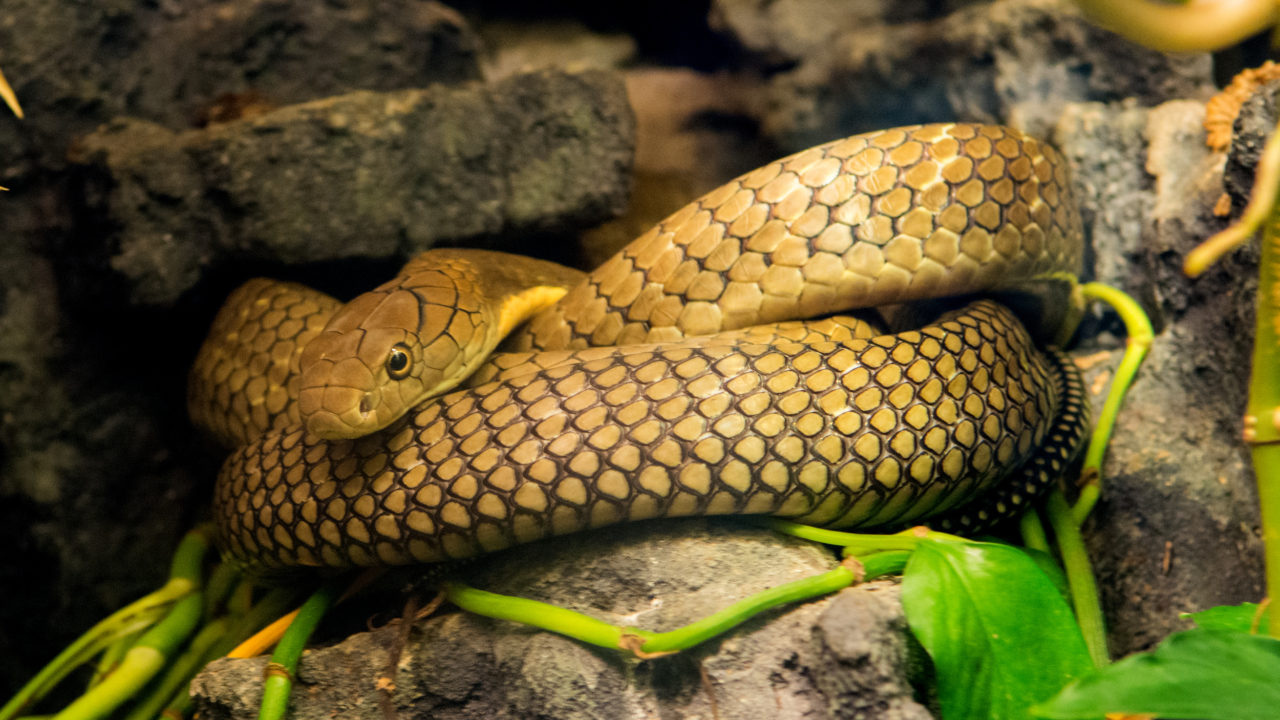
<point>673,380</point>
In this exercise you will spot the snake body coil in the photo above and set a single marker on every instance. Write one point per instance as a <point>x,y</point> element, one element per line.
<point>837,430</point>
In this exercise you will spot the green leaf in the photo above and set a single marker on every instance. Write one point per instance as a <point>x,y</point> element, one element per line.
<point>1052,570</point>
<point>1000,634</point>
<point>1231,617</point>
<point>1193,675</point>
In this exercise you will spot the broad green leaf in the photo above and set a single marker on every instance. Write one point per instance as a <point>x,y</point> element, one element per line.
<point>1193,675</point>
<point>1000,634</point>
<point>1230,617</point>
<point>1049,566</point>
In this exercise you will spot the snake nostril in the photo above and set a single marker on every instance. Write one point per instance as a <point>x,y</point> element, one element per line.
<point>366,404</point>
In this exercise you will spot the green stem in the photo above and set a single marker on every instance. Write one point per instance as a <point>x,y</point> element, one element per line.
<point>1262,416</point>
<point>1033,535</point>
<point>131,619</point>
<point>275,604</point>
<point>140,664</point>
<point>1140,337</point>
<point>243,621</point>
<point>222,582</point>
<point>602,634</point>
<point>112,655</point>
<point>747,608</point>
<point>1266,465</point>
<point>184,579</point>
<point>858,543</point>
<point>538,614</point>
<point>1079,571</point>
<point>179,672</point>
<point>879,564</point>
<point>278,684</point>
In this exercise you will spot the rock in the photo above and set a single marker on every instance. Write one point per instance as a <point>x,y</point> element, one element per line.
<point>98,472</point>
<point>1178,501</point>
<point>1252,127</point>
<point>74,67</point>
<point>1105,145</point>
<point>521,47</point>
<point>91,488</point>
<point>787,31</point>
<point>843,656</point>
<point>363,175</point>
<point>1013,61</point>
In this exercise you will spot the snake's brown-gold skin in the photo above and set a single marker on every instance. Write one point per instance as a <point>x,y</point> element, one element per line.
<point>845,432</point>
<point>281,354</point>
<point>418,335</point>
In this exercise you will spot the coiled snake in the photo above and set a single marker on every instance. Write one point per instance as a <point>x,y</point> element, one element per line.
<point>686,408</point>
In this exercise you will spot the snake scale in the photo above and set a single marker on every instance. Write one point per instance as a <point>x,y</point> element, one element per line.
<point>685,407</point>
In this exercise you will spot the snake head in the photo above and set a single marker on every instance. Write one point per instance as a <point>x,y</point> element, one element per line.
<point>370,365</point>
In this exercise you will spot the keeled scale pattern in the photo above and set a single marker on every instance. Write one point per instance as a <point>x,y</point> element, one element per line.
<point>245,379</point>
<point>915,212</point>
<point>855,433</point>
<point>447,308</point>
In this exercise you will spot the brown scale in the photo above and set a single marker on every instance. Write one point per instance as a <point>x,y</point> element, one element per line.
<point>838,429</point>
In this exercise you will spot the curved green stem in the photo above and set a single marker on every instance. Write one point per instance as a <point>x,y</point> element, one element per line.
<point>646,643</point>
<point>111,656</point>
<point>538,614</point>
<point>1084,590</point>
<point>184,579</point>
<point>140,664</point>
<point>745,609</point>
<point>1190,26</point>
<point>284,661</point>
<point>1140,337</point>
<point>1266,185</point>
<point>858,543</point>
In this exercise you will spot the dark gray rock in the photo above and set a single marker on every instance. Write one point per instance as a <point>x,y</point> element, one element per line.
<point>845,656</point>
<point>1013,61</point>
<point>1251,129</point>
<point>77,65</point>
<point>98,476</point>
<point>363,175</point>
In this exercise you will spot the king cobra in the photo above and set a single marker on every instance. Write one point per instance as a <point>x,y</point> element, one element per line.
<point>677,379</point>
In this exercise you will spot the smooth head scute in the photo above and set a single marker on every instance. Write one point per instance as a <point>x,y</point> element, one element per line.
<point>367,367</point>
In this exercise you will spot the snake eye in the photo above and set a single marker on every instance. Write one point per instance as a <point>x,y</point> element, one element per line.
<point>398,362</point>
